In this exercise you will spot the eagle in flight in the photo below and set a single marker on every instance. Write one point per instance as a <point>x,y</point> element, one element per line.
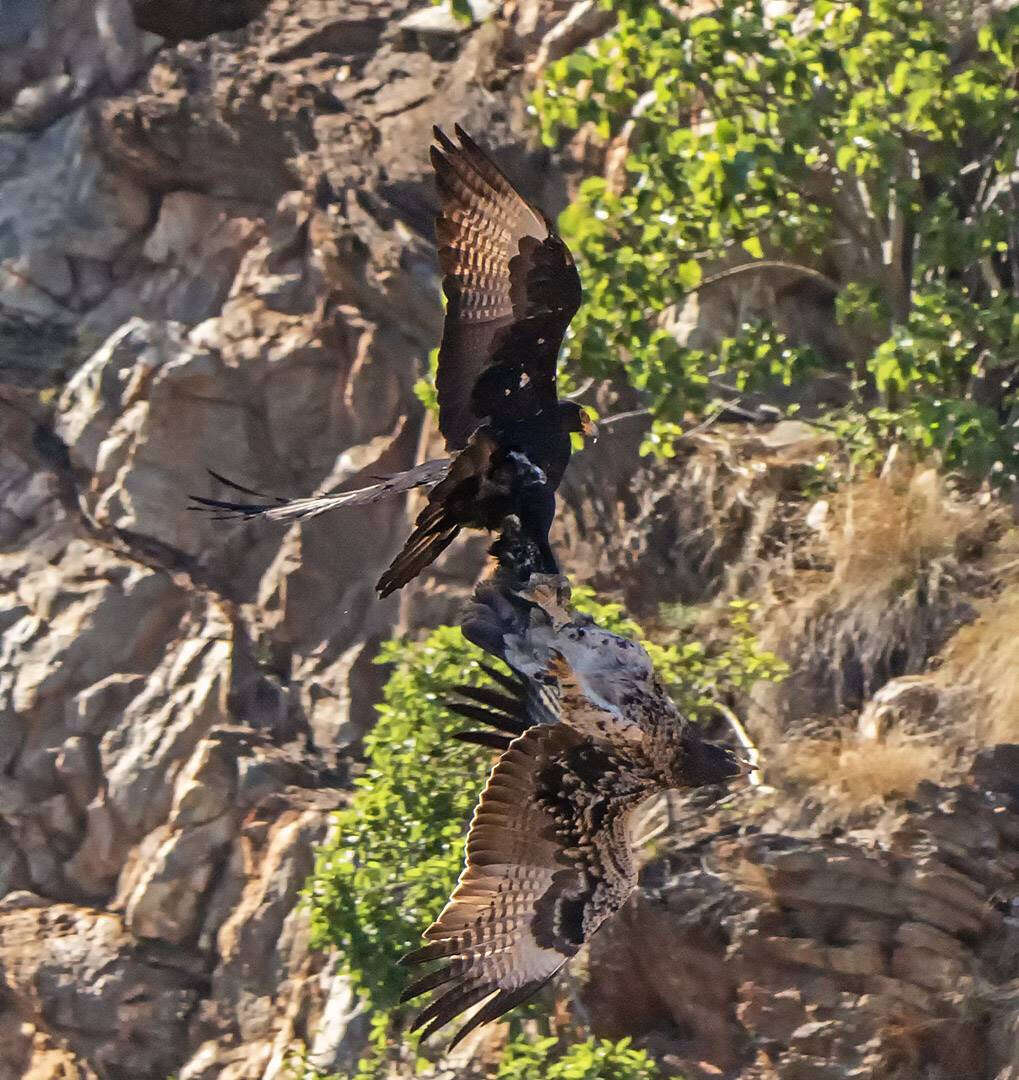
<point>587,732</point>
<point>511,288</point>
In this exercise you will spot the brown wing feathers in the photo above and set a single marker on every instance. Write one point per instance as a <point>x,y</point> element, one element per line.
<point>511,288</point>
<point>478,229</point>
<point>287,510</point>
<point>490,708</point>
<point>439,522</point>
<point>427,542</point>
<point>547,861</point>
<point>484,934</point>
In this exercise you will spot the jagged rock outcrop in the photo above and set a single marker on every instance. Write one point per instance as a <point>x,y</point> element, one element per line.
<point>117,1005</point>
<point>882,953</point>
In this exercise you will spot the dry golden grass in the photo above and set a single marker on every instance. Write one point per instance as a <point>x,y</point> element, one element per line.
<point>900,558</point>
<point>983,659</point>
<point>888,532</point>
<point>897,579</point>
<point>857,773</point>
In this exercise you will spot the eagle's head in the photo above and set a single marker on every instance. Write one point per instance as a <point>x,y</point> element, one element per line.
<point>698,763</point>
<point>574,417</point>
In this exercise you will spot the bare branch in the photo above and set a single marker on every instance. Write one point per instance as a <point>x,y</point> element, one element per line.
<point>582,389</point>
<point>770,264</point>
<point>755,777</point>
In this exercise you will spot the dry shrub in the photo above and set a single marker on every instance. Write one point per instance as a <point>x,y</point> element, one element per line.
<point>855,773</point>
<point>892,532</point>
<point>898,557</point>
<point>738,512</point>
<point>983,659</point>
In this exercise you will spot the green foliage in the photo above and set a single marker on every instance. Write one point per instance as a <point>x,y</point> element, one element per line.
<point>544,1059</point>
<point>861,127</point>
<point>461,9</point>
<point>396,851</point>
<point>424,389</point>
<point>929,367</point>
<point>593,1059</point>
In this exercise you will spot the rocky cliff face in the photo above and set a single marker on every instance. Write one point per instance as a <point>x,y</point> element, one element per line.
<point>217,253</point>
<point>887,953</point>
<point>211,254</point>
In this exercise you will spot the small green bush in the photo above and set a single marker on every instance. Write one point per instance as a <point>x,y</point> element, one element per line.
<point>396,851</point>
<point>594,1059</point>
<point>544,1059</point>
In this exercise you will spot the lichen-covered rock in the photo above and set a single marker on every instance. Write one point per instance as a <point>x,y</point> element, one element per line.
<point>111,1001</point>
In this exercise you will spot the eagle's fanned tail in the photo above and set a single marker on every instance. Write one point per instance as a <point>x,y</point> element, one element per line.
<point>517,705</point>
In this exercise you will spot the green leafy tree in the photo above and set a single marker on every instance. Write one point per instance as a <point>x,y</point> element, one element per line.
<point>872,145</point>
<point>593,1059</point>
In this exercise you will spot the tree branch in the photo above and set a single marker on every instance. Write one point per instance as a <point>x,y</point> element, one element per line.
<point>770,264</point>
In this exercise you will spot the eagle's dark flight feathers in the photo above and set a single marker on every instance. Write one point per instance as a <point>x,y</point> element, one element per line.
<point>512,288</point>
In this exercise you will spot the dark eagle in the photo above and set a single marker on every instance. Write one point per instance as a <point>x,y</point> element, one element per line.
<point>511,288</point>
<point>587,734</point>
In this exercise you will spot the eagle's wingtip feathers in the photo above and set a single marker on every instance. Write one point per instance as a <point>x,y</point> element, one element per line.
<point>443,140</point>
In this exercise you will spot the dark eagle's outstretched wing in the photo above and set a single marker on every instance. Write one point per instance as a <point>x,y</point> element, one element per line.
<point>548,860</point>
<point>511,286</point>
<point>274,508</point>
